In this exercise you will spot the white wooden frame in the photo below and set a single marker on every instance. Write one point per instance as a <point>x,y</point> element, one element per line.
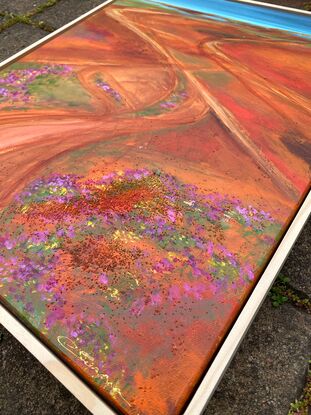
<point>92,401</point>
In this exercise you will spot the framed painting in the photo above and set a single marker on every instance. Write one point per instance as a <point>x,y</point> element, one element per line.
<point>155,172</point>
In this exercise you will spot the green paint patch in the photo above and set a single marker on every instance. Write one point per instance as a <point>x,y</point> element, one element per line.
<point>65,91</point>
<point>21,65</point>
<point>15,108</point>
<point>191,59</point>
<point>215,78</point>
<point>139,4</point>
<point>171,102</point>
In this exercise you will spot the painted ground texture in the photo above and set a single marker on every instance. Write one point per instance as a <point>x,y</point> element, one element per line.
<point>150,160</point>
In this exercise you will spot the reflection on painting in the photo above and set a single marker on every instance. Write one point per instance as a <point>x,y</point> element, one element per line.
<point>150,160</point>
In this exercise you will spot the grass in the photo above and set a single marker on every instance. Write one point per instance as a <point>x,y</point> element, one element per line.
<point>283,292</point>
<point>301,406</point>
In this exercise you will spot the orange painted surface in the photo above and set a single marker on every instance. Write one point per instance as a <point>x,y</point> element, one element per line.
<point>150,160</point>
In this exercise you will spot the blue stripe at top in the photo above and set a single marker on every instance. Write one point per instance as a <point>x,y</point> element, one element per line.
<point>249,13</point>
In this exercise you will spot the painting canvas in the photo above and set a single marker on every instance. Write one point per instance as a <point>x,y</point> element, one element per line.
<point>151,158</point>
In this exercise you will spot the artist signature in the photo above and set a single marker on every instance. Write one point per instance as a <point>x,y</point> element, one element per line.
<point>89,361</point>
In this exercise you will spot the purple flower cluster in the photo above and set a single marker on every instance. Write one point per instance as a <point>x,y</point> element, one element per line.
<point>109,90</point>
<point>15,82</point>
<point>61,188</point>
<point>23,270</point>
<point>104,250</point>
<point>175,99</point>
<point>251,215</point>
<point>129,175</point>
<point>219,207</point>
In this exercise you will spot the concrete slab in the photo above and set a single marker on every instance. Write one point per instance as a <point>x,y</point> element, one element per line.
<point>269,370</point>
<point>18,6</point>
<point>27,388</point>
<point>17,37</point>
<point>298,264</point>
<point>298,4</point>
<point>66,11</point>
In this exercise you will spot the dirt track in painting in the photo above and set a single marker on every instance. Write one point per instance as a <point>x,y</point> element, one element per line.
<point>162,67</point>
<point>176,107</point>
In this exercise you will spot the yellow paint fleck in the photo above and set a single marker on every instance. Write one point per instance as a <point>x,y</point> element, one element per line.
<point>25,208</point>
<point>114,293</point>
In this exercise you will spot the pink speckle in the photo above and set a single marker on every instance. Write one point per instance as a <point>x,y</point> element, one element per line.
<point>8,244</point>
<point>156,299</point>
<point>174,293</point>
<point>171,215</point>
<point>248,272</point>
<point>103,278</point>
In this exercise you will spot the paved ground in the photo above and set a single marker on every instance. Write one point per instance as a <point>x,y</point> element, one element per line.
<point>270,369</point>
<point>299,4</point>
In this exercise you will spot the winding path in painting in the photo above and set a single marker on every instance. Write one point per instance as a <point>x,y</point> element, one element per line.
<point>68,124</point>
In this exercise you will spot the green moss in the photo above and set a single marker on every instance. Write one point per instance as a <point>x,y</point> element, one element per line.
<point>10,19</point>
<point>41,7</point>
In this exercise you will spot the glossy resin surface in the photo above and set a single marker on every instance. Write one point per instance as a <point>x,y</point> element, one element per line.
<point>151,158</point>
